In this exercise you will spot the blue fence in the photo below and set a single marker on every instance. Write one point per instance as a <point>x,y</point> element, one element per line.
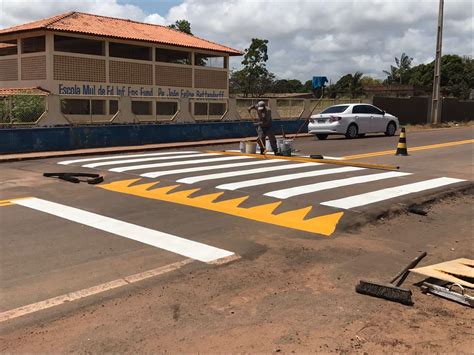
<point>24,140</point>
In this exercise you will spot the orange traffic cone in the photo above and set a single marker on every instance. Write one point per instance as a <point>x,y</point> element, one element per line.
<point>402,144</point>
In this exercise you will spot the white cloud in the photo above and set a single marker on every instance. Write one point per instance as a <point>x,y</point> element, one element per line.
<point>306,37</point>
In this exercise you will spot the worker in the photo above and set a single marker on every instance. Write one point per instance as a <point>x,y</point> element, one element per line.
<point>264,127</point>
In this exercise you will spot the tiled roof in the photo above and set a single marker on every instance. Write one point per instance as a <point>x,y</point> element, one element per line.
<point>23,91</point>
<point>78,22</point>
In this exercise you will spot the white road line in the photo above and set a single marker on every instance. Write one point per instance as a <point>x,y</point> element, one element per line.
<point>68,162</point>
<point>391,192</point>
<point>288,177</point>
<point>172,243</point>
<point>77,295</point>
<point>174,163</point>
<point>327,185</point>
<point>138,160</point>
<point>193,179</point>
<point>155,174</point>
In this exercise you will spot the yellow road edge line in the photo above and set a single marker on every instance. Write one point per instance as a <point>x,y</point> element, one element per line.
<point>295,219</point>
<point>413,149</point>
<point>11,201</point>
<point>310,160</point>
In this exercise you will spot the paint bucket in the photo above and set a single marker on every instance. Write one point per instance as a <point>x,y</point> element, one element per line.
<point>279,143</point>
<point>268,146</point>
<point>286,147</point>
<point>250,147</point>
<point>242,146</point>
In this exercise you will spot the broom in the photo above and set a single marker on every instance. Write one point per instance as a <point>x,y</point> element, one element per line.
<point>391,291</point>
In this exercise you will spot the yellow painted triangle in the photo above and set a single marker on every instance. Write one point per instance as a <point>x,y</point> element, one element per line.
<point>296,214</point>
<point>265,209</point>
<point>233,203</point>
<point>209,198</point>
<point>324,225</point>
<point>183,194</point>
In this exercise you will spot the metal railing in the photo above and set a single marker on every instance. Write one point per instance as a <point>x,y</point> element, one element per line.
<point>22,109</point>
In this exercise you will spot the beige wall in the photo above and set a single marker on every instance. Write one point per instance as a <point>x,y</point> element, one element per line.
<point>52,69</point>
<point>33,68</point>
<point>8,70</point>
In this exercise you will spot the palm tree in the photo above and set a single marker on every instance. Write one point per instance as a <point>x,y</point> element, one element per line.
<point>355,86</point>
<point>399,72</point>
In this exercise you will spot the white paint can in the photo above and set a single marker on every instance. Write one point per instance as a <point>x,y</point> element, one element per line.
<point>242,146</point>
<point>250,147</point>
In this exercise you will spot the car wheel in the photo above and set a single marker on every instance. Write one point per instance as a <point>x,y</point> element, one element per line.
<point>322,137</point>
<point>391,129</point>
<point>352,131</point>
<point>361,135</point>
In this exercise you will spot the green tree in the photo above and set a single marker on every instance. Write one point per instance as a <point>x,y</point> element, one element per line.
<point>182,26</point>
<point>288,86</point>
<point>457,76</point>
<point>399,73</point>
<point>369,81</point>
<point>254,79</point>
<point>350,84</point>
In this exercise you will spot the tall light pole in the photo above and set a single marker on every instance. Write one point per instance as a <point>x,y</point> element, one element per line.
<point>436,100</point>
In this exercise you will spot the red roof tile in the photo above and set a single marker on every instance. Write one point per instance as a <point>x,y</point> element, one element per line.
<point>24,91</point>
<point>78,22</point>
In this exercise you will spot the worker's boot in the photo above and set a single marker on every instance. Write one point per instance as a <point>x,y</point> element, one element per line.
<point>262,151</point>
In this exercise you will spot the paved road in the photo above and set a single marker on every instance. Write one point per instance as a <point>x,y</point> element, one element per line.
<point>159,212</point>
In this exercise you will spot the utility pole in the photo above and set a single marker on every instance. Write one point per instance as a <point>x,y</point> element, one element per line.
<point>436,100</point>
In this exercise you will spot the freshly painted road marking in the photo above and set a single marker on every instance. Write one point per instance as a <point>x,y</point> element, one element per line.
<point>410,149</point>
<point>194,179</point>
<point>295,219</point>
<point>138,160</point>
<point>68,162</point>
<point>389,193</point>
<point>154,174</point>
<point>287,177</point>
<point>303,159</point>
<point>77,295</point>
<point>172,243</point>
<point>175,163</point>
<point>327,185</point>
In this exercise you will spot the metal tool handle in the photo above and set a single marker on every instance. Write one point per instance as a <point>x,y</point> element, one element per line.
<point>404,273</point>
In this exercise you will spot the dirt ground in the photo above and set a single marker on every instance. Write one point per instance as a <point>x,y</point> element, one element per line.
<point>292,295</point>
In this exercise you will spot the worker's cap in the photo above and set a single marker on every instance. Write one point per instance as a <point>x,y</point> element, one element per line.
<point>260,105</point>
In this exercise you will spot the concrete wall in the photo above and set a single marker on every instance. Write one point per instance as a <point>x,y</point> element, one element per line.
<point>457,110</point>
<point>410,110</point>
<point>416,110</point>
<point>22,140</point>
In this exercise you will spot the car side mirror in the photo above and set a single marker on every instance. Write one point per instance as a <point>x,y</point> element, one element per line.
<point>383,112</point>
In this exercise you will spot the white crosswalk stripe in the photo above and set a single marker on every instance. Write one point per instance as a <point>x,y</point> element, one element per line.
<point>389,193</point>
<point>287,177</point>
<point>327,185</point>
<point>139,160</point>
<point>175,163</point>
<point>194,179</point>
<point>69,162</point>
<point>155,174</point>
<point>223,166</point>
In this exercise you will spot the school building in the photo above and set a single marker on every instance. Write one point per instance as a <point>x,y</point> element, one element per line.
<point>92,62</point>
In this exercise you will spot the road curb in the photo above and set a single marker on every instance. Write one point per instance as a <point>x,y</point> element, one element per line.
<point>128,149</point>
<point>359,219</point>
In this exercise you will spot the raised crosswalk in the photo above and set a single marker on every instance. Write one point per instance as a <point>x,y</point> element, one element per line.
<point>279,179</point>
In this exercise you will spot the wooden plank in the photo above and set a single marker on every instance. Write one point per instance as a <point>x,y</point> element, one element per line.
<point>450,271</point>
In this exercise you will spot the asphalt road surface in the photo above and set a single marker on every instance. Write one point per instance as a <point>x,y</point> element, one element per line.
<point>161,215</point>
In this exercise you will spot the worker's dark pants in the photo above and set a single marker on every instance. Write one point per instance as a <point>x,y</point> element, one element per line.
<point>263,133</point>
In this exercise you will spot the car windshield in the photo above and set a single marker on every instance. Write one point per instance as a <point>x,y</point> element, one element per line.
<point>335,109</point>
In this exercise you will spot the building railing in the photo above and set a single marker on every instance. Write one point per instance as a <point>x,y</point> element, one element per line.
<point>22,109</point>
<point>61,110</point>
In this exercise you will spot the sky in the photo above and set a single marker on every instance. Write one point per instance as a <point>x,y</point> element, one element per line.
<point>306,37</point>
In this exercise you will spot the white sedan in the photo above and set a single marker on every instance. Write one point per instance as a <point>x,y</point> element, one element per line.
<point>352,120</point>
